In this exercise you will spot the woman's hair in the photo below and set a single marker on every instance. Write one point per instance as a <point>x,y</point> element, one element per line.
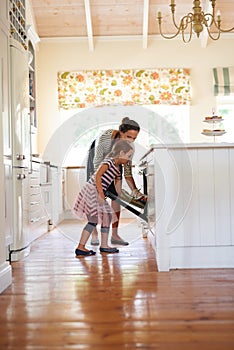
<point>120,145</point>
<point>128,124</point>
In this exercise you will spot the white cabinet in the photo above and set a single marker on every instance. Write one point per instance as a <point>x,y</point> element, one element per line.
<point>5,149</point>
<point>191,204</point>
<point>32,87</point>
<point>39,200</point>
<point>5,119</point>
<point>8,219</point>
<point>17,14</point>
<point>45,198</point>
<point>4,13</point>
<point>5,100</point>
<point>20,245</point>
<point>56,192</point>
<point>6,128</point>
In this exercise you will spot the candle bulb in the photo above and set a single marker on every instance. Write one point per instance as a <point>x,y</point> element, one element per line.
<point>218,15</point>
<point>159,14</point>
<point>172,2</point>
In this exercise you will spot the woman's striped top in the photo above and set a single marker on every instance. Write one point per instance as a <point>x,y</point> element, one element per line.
<point>103,147</point>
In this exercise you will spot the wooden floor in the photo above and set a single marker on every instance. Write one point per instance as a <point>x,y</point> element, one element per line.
<point>113,302</point>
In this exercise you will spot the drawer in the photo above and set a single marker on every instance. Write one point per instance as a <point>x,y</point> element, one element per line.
<point>37,212</point>
<point>38,219</point>
<point>36,167</point>
<point>35,207</point>
<point>34,189</point>
<point>34,181</point>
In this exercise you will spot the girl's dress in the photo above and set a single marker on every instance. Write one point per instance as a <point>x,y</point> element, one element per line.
<point>88,206</point>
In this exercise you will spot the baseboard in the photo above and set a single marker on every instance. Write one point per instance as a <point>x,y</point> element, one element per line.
<point>5,276</point>
<point>202,257</point>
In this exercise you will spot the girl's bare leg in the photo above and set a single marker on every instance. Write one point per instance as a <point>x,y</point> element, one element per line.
<point>87,230</point>
<point>94,235</point>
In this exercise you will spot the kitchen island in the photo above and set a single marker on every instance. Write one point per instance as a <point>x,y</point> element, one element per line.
<point>191,204</point>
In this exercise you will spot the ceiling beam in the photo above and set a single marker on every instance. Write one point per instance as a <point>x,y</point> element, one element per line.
<point>145,23</point>
<point>204,34</point>
<point>89,24</point>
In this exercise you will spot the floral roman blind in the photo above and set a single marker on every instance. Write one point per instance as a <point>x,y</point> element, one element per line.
<point>223,81</point>
<point>84,89</point>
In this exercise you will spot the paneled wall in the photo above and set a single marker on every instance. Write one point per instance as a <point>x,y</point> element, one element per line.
<point>193,201</point>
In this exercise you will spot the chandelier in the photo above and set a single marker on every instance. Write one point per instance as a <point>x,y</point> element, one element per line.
<point>195,22</point>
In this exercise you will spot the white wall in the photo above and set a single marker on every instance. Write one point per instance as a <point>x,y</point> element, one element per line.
<point>59,55</point>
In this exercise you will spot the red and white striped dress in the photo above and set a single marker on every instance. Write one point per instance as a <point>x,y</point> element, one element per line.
<point>87,203</point>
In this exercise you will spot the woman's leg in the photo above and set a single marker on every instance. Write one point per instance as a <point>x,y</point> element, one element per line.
<point>105,248</point>
<point>115,238</point>
<point>115,225</point>
<point>104,237</point>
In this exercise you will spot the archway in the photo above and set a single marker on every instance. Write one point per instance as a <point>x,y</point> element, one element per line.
<point>80,123</point>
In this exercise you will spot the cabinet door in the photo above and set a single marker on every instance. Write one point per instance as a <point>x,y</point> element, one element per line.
<point>19,105</point>
<point>4,79</point>
<point>4,11</point>
<point>8,203</point>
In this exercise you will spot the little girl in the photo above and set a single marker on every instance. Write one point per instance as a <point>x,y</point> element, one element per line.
<point>91,201</point>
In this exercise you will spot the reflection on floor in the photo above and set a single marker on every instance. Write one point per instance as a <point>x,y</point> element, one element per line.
<point>129,229</point>
<point>113,301</point>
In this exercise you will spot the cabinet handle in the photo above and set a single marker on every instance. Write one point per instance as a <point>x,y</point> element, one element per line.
<point>20,157</point>
<point>34,203</point>
<point>21,176</point>
<point>35,220</point>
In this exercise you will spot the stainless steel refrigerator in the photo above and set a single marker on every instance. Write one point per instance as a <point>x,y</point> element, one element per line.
<point>20,128</point>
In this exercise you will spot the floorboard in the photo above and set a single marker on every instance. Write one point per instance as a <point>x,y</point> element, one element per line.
<point>118,301</point>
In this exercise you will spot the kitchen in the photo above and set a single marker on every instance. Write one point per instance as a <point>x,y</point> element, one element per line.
<point>50,57</point>
<point>53,55</point>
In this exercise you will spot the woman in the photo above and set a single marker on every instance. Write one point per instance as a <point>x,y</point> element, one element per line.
<point>128,130</point>
<point>91,201</point>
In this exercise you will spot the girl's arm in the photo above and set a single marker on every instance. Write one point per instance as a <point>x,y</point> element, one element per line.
<point>118,185</point>
<point>98,180</point>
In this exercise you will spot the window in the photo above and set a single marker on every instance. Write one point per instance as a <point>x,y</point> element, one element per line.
<point>225,107</point>
<point>165,124</point>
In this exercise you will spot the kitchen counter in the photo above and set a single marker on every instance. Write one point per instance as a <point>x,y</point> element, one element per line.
<point>190,204</point>
<point>188,146</point>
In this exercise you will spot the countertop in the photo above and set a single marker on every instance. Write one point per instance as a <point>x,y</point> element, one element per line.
<point>187,146</point>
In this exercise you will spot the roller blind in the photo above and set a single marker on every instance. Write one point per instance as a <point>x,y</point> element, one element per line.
<point>223,81</point>
<point>82,89</point>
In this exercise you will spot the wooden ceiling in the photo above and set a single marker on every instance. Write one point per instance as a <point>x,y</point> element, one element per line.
<point>114,18</point>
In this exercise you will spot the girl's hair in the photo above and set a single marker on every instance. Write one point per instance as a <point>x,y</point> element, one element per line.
<point>128,124</point>
<point>120,145</point>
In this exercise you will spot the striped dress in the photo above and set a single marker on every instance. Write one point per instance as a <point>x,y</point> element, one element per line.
<point>88,206</point>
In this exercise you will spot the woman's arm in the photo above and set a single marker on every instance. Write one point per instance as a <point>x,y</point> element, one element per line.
<point>102,147</point>
<point>128,176</point>
<point>131,182</point>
